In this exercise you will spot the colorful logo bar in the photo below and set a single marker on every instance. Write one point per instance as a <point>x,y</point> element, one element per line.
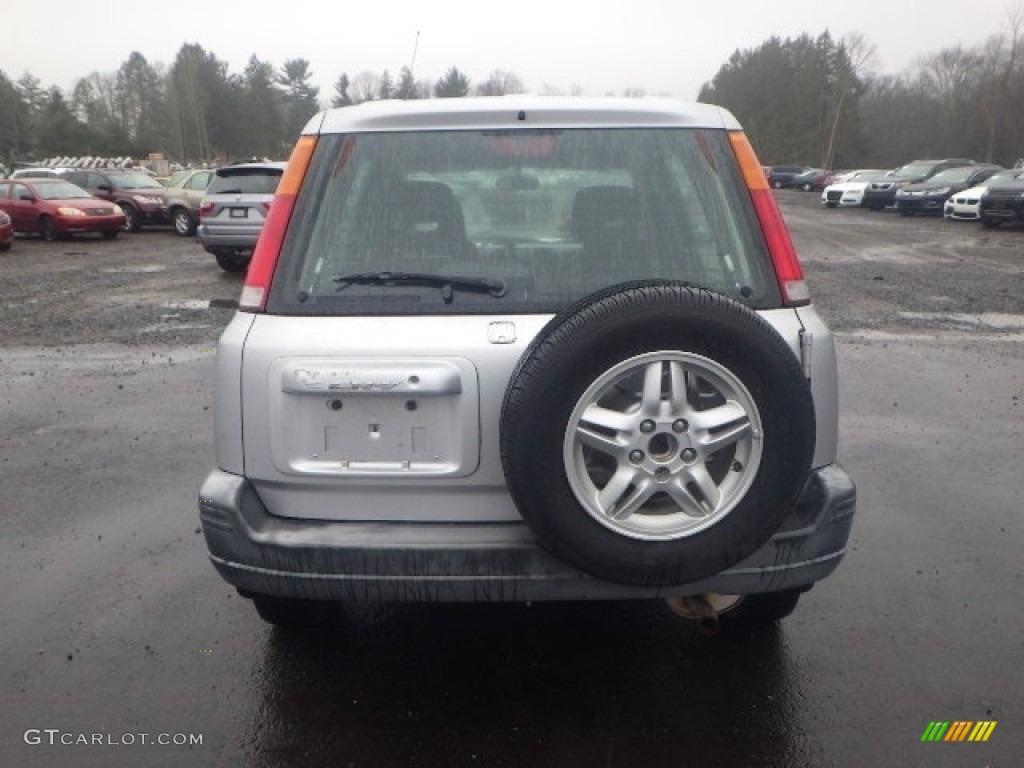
<point>958,730</point>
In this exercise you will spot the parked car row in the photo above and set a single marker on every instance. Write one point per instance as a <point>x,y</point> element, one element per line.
<point>140,196</point>
<point>801,177</point>
<point>956,188</point>
<point>55,208</point>
<point>883,192</point>
<point>224,209</point>
<point>786,176</point>
<point>847,189</point>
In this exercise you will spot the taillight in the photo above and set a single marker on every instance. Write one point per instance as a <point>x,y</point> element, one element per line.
<point>204,209</point>
<point>265,207</point>
<point>788,271</point>
<point>279,213</point>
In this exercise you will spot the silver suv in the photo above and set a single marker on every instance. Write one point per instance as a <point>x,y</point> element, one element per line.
<point>233,210</point>
<point>526,349</point>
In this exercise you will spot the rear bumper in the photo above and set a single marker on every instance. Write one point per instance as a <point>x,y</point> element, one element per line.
<point>920,204</point>
<point>78,224</point>
<point>227,238</point>
<point>1001,213</point>
<point>880,198</point>
<point>420,562</point>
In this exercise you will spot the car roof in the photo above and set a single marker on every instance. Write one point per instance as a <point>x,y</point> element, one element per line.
<point>227,170</point>
<point>40,172</point>
<point>519,111</point>
<point>973,168</point>
<point>110,171</point>
<point>933,161</point>
<point>37,180</point>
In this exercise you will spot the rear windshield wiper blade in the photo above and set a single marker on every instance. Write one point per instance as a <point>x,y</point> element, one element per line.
<point>447,283</point>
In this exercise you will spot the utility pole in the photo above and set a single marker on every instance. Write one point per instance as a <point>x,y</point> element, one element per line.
<point>415,48</point>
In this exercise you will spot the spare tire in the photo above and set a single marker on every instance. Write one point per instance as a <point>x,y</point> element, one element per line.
<point>654,433</point>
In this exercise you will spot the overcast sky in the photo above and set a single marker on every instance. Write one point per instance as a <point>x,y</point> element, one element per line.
<point>665,47</point>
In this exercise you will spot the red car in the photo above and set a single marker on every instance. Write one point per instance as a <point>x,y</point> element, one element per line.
<point>56,208</point>
<point>6,232</point>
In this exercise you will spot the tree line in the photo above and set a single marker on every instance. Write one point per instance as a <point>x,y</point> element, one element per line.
<point>196,110</point>
<point>808,100</point>
<point>815,101</point>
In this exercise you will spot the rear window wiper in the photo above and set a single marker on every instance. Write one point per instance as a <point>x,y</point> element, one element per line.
<point>447,283</point>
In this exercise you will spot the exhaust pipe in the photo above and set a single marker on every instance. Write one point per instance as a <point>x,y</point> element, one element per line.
<point>695,608</point>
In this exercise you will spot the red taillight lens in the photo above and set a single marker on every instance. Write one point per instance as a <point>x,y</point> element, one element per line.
<point>279,213</point>
<point>204,209</point>
<point>788,271</point>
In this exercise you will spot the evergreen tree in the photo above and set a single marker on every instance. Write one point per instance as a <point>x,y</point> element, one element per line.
<point>263,112</point>
<point>301,98</point>
<point>341,95</point>
<point>407,86</point>
<point>14,138</point>
<point>385,86</point>
<point>203,103</point>
<point>140,105</point>
<point>33,100</point>
<point>797,99</point>
<point>60,132</point>
<point>452,84</point>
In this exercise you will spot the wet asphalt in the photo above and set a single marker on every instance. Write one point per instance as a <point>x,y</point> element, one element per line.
<point>117,632</point>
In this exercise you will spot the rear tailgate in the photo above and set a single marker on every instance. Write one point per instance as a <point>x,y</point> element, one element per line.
<point>377,418</point>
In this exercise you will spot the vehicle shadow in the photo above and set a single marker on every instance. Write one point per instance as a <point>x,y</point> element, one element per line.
<point>574,684</point>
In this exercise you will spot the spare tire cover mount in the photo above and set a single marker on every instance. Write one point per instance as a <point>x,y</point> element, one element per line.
<point>654,433</point>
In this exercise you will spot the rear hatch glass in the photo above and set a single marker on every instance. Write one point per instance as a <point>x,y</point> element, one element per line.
<point>384,219</point>
<point>247,181</point>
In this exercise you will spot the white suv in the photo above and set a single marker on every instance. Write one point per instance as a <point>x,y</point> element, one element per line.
<point>526,349</point>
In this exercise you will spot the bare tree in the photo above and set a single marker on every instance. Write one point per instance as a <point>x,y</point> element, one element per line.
<point>860,57</point>
<point>999,72</point>
<point>364,87</point>
<point>499,83</point>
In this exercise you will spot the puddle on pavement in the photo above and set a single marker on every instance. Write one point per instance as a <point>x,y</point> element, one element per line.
<point>136,269</point>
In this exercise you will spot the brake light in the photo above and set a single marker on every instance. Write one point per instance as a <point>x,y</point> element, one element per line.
<point>268,247</point>
<point>204,209</point>
<point>783,254</point>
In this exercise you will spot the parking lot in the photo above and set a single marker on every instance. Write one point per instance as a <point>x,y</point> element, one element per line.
<point>116,624</point>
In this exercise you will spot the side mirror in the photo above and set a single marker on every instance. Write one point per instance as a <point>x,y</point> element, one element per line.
<point>25,196</point>
<point>104,188</point>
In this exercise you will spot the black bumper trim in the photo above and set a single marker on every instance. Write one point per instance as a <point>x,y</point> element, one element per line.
<point>423,562</point>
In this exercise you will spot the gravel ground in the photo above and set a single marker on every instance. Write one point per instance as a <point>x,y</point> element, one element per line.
<point>148,288</point>
<point>885,272</point>
<point>867,271</point>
